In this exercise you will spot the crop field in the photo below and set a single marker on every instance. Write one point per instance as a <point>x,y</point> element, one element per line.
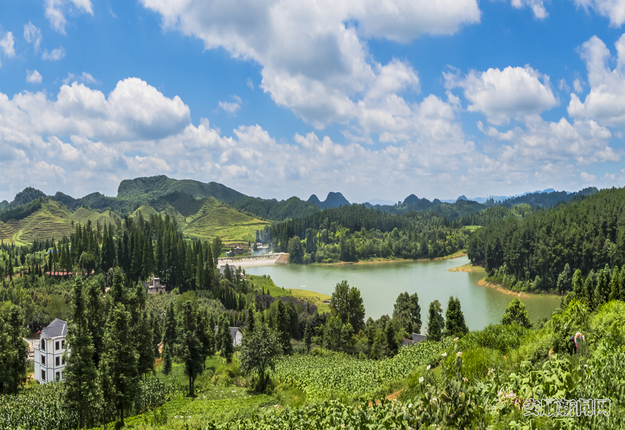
<point>346,377</point>
<point>219,404</point>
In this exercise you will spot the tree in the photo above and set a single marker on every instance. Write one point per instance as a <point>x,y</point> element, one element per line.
<point>454,319</point>
<point>308,336</point>
<point>216,250</point>
<point>436,321</point>
<point>224,339</point>
<point>169,338</point>
<point>295,250</point>
<point>408,312</point>
<point>346,303</point>
<point>95,316</point>
<point>190,346</point>
<point>282,327</point>
<point>13,352</point>
<point>516,314</point>
<point>260,350</point>
<point>391,343</point>
<point>80,374</point>
<point>119,361</point>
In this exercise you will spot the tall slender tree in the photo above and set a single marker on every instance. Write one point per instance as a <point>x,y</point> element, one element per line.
<point>81,396</point>
<point>118,366</point>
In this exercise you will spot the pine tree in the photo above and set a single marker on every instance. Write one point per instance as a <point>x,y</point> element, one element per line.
<point>81,396</point>
<point>615,285</point>
<point>283,329</point>
<point>94,315</point>
<point>190,345</point>
<point>117,291</point>
<point>391,343</point>
<point>436,321</point>
<point>118,366</point>
<point>516,314</point>
<point>224,339</point>
<point>169,339</point>
<point>13,352</point>
<point>454,319</point>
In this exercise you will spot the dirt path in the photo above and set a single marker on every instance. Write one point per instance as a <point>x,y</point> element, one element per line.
<point>283,258</point>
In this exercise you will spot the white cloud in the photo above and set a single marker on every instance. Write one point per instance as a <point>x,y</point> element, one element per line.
<point>587,177</point>
<point>313,56</point>
<point>7,44</point>
<point>85,78</point>
<point>562,86</point>
<point>250,84</point>
<point>606,100</point>
<point>578,86</point>
<point>501,95</point>
<point>230,108</point>
<point>55,55</point>
<point>33,77</point>
<point>33,35</point>
<point>54,11</point>
<point>537,6</point>
<point>614,10</point>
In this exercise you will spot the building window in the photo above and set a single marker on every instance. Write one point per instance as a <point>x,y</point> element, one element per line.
<point>57,345</point>
<point>63,360</point>
<point>63,344</point>
<point>43,344</point>
<point>43,359</point>
<point>43,376</point>
<point>58,376</point>
<point>58,361</point>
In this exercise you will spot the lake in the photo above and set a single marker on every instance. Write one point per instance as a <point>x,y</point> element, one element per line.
<point>380,284</point>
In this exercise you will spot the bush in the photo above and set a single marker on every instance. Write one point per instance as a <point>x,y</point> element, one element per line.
<point>495,336</point>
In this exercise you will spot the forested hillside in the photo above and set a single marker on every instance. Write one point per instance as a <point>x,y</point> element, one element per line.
<point>355,232</point>
<point>586,235</point>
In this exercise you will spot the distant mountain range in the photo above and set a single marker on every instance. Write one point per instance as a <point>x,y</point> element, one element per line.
<point>334,200</point>
<point>191,202</point>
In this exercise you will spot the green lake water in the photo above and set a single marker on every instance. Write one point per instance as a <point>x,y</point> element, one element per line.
<point>380,284</point>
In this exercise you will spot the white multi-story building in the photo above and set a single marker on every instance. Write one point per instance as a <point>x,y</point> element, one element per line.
<point>50,352</point>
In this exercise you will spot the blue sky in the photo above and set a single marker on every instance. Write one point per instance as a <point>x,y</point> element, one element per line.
<point>376,99</point>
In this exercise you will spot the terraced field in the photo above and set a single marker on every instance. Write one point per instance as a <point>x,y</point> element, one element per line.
<point>55,220</point>
<point>218,219</point>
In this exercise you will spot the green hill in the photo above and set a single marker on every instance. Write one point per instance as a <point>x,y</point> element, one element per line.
<point>51,220</point>
<point>218,219</point>
<point>155,187</point>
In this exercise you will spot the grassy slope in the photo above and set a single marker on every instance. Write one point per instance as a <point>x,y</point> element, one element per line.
<point>312,296</point>
<point>54,220</point>
<point>218,219</point>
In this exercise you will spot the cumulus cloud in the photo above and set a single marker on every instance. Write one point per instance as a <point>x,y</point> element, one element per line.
<point>501,95</point>
<point>80,140</point>
<point>606,100</point>
<point>578,86</point>
<point>250,84</point>
<point>33,77</point>
<point>33,35</point>
<point>55,55</point>
<point>537,6</point>
<point>313,55</point>
<point>230,108</point>
<point>54,11</point>
<point>7,44</point>
<point>614,10</point>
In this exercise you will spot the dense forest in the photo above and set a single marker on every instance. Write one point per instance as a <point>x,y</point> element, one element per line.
<point>586,235</point>
<point>352,233</point>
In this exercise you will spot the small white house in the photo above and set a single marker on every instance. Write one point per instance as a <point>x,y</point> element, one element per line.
<point>235,333</point>
<point>49,352</point>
